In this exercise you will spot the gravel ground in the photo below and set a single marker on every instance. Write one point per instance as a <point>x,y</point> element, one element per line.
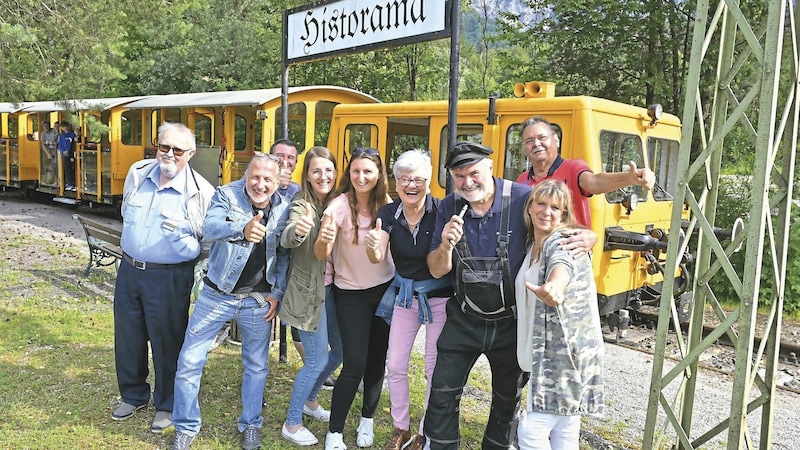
<point>628,371</point>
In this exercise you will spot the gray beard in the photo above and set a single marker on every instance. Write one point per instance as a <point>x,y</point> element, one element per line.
<point>168,170</point>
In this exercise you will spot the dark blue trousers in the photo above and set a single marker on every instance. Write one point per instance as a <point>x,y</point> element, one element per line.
<point>464,338</point>
<point>150,305</point>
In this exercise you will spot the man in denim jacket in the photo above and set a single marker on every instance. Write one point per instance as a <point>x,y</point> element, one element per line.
<point>246,281</point>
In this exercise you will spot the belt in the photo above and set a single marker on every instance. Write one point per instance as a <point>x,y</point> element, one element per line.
<point>142,265</point>
<point>258,296</point>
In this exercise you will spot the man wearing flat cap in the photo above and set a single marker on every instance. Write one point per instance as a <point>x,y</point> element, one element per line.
<point>479,244</point>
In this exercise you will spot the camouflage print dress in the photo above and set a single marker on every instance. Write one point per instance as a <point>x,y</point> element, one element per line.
<point>563,344</point>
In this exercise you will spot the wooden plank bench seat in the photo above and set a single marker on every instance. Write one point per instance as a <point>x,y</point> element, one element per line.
<point>103,240</point>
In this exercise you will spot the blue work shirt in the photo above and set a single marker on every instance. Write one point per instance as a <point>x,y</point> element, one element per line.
<point>156,226</point>
<point>481,231</point>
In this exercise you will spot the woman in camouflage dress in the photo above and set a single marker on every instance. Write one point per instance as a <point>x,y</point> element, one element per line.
<point>559,336</point>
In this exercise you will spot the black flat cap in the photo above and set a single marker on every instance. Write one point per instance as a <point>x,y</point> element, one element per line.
<point>464,153</point>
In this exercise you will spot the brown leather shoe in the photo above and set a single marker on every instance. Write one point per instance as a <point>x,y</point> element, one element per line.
<point>398,439</point>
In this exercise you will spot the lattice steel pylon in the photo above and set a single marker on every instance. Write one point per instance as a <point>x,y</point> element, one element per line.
<point>763,101</point>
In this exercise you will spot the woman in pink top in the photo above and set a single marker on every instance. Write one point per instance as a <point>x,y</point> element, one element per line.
<point>358,286</point>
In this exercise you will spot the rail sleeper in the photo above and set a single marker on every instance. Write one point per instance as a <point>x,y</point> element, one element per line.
<point>104,247</point>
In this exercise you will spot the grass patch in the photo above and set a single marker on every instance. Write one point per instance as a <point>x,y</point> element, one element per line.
<point>58,382</point>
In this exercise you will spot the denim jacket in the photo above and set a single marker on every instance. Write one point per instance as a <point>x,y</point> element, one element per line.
<point>401,293</point>
<point>229,212</point>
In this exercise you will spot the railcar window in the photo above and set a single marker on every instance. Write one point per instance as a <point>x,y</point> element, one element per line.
<point>202,129</point>
<point>13,127</point>
<point>617,149</point>
<point>358,135</point>
<point>663,157</point>
<point>297,124</point>
<point>131,128</point>
<point>516,161</point>
<point>33,127</point>
<point>240,134</point>
<point>322,124</point>
<point>465,132</point>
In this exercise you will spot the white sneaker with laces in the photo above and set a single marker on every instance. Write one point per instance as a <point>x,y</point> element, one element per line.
<point>333,441</point>
<point>365,434</point>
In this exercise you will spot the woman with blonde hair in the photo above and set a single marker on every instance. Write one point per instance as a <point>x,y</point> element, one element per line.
<point>559,337</point>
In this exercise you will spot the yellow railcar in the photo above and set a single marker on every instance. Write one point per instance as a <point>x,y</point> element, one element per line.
<point>605,134</point>
<point>230,126</point>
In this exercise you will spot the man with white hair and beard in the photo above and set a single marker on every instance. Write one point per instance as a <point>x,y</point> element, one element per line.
<point>163,206</point>
<point>479,245</point>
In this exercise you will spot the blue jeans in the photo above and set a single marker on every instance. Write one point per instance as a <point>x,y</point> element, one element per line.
<point>320,362</point>
<point>212,309</point>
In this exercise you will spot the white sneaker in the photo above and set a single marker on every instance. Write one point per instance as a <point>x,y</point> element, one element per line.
<point>364,432</point>
<point>319,413</point>
<point>333,441</point>
<point>299,437</point>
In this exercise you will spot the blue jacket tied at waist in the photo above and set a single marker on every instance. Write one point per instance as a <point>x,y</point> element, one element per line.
<point>401,293</point>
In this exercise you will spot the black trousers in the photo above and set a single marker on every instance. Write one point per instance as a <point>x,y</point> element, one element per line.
<point>365,339</point>
<point>463,339</point>
<point>150,306</point>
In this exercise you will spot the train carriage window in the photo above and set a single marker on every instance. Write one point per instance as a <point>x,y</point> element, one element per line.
<point>297,124</point>
<point>663,157</point>
<point>202,130</point>
<point>240,133</point>
<point>616,150</point>
<point>465,132</point>
<point>33,127</point>
<point>131,127</point>
<point>13,127</point>
<point>516,161</point>
<point>322,122</point>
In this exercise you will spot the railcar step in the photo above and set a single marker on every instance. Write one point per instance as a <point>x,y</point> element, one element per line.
<point>68,201</point>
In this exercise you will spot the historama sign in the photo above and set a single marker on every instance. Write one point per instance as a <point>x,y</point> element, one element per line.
<point>324,29</point>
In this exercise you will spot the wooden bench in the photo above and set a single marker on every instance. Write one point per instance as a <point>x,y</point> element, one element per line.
<point>103,240</point>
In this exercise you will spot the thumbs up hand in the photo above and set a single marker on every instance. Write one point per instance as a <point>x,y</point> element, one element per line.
<point>373,237</point>
<point>641,177</point>
<point>327,231</point>
<point>305,222</point>
<point>254,231</point>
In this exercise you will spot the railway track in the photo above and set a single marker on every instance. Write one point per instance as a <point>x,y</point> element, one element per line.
<point>721,357</point>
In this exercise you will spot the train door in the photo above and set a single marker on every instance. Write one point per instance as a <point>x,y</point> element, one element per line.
<point>206,157</point>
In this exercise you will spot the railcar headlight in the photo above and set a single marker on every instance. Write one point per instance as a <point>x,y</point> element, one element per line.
<point>630,202</point>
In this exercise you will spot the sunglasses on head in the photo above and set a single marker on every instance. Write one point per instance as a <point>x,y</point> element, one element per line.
<point>369,151</point>
<point>163,148</point>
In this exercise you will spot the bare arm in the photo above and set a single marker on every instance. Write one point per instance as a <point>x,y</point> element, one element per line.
<point>600,183</point>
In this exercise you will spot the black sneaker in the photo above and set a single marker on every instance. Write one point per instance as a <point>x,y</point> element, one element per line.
<point>328,383</point>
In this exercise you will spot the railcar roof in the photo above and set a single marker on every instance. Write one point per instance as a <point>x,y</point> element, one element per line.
<point>253,97</point>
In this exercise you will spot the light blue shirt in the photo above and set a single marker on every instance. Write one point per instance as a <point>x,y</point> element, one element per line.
<point>156,226</point>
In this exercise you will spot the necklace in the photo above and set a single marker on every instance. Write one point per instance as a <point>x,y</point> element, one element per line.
<point>408,219</point>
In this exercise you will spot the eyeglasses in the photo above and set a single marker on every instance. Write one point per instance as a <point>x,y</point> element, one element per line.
<point>541,138</point>
<point>369,151</point>
<point>406,181</point>
<point>319,173</point>
<point>163,148</point>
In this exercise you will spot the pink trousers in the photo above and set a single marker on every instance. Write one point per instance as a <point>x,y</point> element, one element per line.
<point>402,334</point>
